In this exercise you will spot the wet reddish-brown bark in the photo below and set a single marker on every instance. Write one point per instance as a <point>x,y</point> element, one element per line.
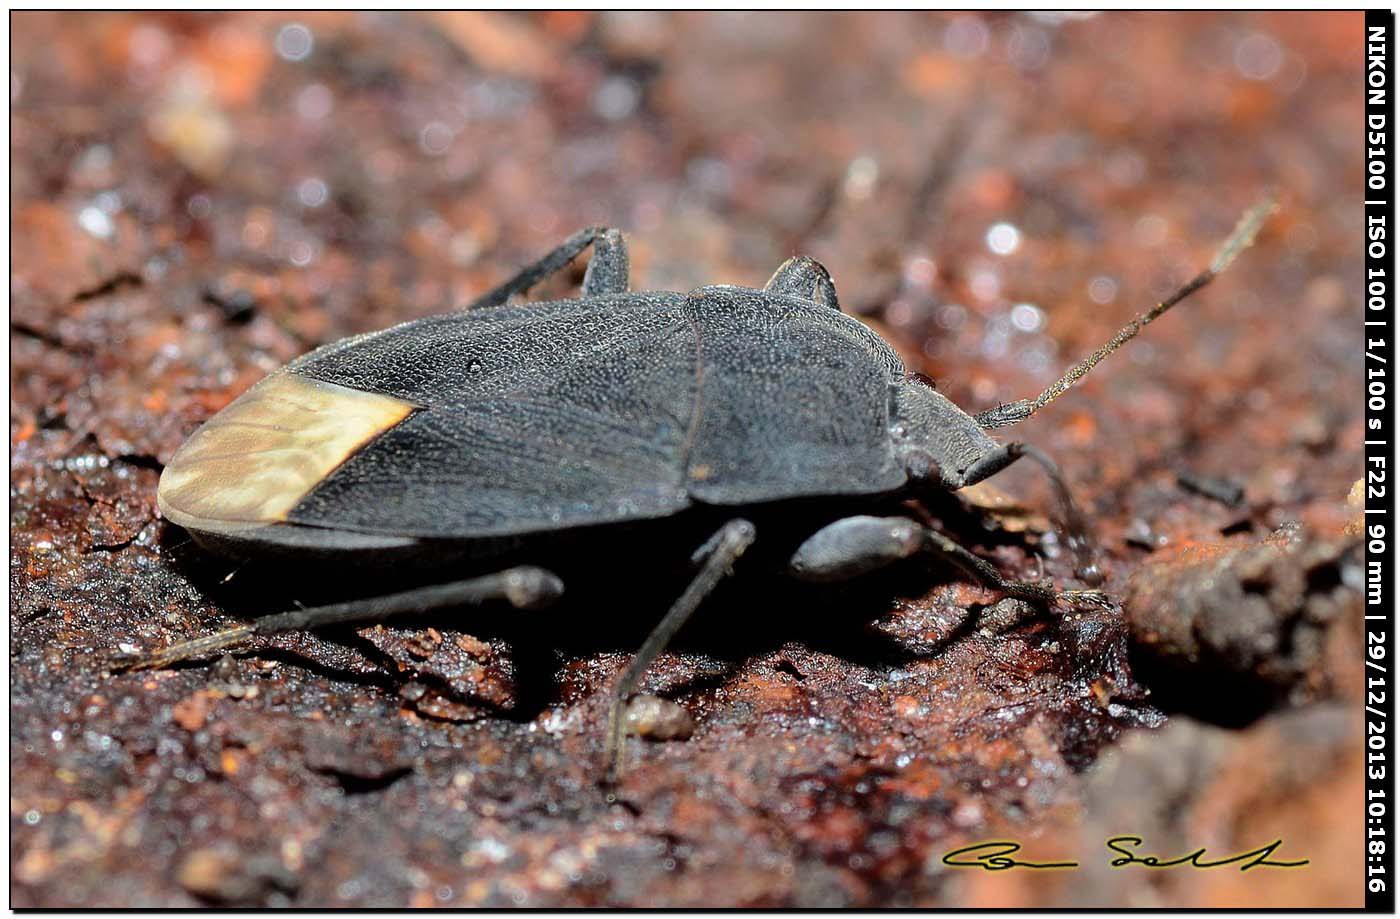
<point>198,199</point>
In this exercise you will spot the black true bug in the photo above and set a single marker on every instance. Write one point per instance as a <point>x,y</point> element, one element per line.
<point>515,424</point>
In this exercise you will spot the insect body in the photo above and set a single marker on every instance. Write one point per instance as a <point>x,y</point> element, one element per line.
<point>615,409</point>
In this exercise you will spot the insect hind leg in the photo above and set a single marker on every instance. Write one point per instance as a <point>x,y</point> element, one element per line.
<point>607,270</point>
<point>719,553</point>
<point>524,587</point>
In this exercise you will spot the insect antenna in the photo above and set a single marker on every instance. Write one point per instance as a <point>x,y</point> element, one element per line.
<point>1239,240</point>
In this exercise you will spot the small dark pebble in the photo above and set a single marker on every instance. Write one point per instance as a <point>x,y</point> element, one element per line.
<point>1141,535</point>
<point>224,874</point>
<point>1313,431</point>
<point>1243,524</point>
<point>357,754</point>
<point>237,305</point>
<point>656,718</point>
<point>1005,615</point>
<point>226,668</point>
<point>1223,490</point>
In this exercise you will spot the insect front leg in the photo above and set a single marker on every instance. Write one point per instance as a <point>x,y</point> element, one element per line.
<point>854,546</point>
<point>715,558</point>
<point>607,270</point>
<point>1077,534</point>
<point>524,587</point>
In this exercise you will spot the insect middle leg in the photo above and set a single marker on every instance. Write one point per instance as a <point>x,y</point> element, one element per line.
<point>607,271</point>
<point>859,545</point>
<point>715,557</point>
<point>524,587</point>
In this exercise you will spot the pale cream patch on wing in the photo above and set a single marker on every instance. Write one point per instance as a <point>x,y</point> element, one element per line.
<point>250,464</point>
